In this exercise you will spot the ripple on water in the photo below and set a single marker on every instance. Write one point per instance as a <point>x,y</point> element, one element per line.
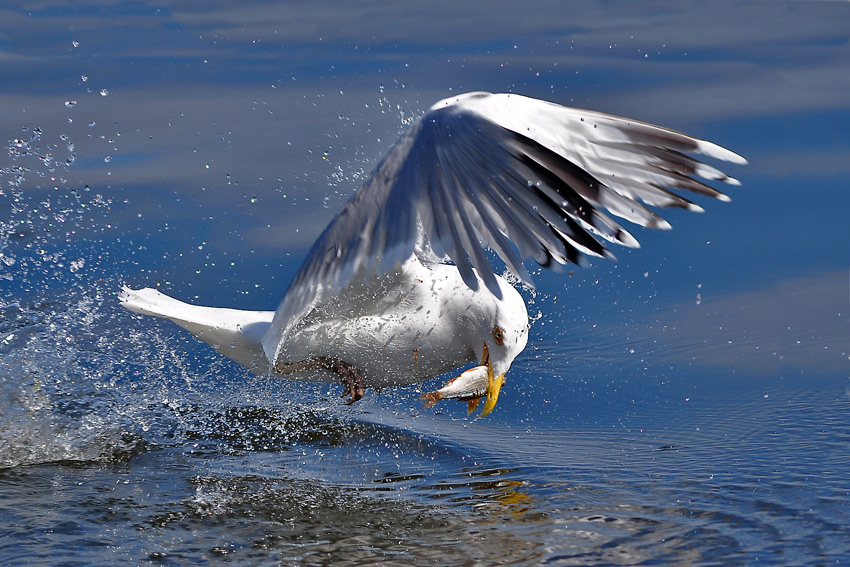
<point>140,448</point>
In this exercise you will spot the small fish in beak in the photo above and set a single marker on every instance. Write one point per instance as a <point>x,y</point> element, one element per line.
<point>471,386</point>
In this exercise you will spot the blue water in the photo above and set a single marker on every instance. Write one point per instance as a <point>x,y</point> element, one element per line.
<point>687,404</point>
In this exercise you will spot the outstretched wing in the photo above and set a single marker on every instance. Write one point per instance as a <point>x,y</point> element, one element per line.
<point>529,178</point>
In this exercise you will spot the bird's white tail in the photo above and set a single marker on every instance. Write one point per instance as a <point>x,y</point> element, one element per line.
<point>235,333</point>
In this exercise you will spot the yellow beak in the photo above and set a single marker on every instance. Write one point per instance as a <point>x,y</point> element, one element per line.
<point>494,386</point>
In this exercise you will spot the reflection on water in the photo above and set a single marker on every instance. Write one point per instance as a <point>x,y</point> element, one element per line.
<point>730,482</point>
<point>351,492</point>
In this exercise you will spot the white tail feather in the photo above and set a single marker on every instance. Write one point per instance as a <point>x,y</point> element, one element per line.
<point>235,333</point>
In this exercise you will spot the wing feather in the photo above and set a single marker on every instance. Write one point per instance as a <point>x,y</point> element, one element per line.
<point>528,178</point>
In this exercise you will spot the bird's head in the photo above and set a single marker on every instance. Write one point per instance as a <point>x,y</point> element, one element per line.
<point>500,333</point>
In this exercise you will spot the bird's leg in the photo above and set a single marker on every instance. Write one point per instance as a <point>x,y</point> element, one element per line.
<point>344,370</point>
<point>349,376</point>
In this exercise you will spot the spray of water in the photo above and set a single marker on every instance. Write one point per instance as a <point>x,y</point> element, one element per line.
<point>80,378</point>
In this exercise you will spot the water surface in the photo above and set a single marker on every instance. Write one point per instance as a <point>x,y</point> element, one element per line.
<point>687,404</point>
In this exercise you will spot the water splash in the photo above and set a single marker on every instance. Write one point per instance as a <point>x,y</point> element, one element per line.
<point>80,379</point>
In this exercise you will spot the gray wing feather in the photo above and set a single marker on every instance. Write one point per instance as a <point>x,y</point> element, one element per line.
<point>528,178</point>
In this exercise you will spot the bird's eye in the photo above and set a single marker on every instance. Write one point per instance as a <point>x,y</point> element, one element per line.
<point>498,335</point>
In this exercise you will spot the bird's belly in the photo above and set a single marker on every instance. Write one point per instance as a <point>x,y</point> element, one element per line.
<point>387,350</point>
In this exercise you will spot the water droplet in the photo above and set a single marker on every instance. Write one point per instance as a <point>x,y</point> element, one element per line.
<point>104,92</point>
<point>84,78</point>
<point>107,159</point>
<point>75,44</point>
<point>70,103</point>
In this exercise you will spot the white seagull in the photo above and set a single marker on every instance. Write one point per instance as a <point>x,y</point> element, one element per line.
<point>375,302</point>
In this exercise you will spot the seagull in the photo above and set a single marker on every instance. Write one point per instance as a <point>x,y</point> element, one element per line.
<point>400,288</point>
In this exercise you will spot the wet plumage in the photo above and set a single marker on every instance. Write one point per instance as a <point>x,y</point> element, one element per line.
<point>375,303</point>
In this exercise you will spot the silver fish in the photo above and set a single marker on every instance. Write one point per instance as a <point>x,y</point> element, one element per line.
<point>470,386</point>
